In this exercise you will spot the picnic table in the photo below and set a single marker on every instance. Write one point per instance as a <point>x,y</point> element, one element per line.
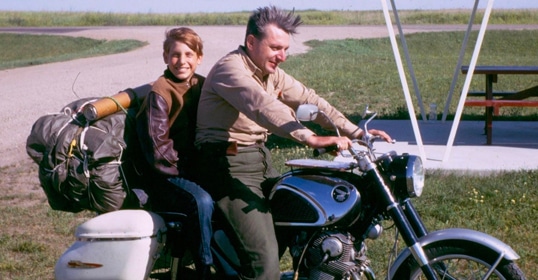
<point>493,100</point>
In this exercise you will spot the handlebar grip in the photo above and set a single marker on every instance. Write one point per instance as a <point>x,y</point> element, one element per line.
<point>318,152</point>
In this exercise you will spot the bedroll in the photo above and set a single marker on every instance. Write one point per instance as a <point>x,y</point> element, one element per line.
<point>80,162</point>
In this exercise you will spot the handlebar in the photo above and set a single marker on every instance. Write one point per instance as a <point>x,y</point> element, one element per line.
<point>318,152</point>
<point>308,112</point>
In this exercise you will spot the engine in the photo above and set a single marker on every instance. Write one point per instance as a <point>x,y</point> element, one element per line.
<point>332,255</point>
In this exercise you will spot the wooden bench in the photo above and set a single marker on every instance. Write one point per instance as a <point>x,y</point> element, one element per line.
<point>495,93</point>
<point>506,99</point>
<point>498,103</point>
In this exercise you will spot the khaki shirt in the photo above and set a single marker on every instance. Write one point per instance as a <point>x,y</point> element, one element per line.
<point>240,104</point>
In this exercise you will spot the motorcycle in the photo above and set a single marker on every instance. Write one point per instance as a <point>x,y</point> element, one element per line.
<point>323,212</point>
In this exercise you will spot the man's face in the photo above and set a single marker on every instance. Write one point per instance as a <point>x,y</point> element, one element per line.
<point>181,60</point>
<point>270,51</point>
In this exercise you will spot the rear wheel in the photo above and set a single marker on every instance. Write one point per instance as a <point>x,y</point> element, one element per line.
<point>168,267</point>
<point>461,260</point>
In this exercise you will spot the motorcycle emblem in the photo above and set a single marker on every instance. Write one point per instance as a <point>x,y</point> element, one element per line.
<point>340,193</point>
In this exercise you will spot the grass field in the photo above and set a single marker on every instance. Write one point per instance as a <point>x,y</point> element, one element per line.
<point>349,73</point>
<point>20,50</point>
<point>310,17</point>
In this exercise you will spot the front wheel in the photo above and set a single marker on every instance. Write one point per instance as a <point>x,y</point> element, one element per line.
<point>459,260</point>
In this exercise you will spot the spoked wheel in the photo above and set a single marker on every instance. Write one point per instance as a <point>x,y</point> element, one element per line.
<point>461,261</point>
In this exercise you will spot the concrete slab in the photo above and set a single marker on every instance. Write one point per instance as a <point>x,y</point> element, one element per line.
<point>514,147</point>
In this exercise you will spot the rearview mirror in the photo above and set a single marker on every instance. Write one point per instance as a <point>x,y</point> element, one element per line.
<point>307,112</point>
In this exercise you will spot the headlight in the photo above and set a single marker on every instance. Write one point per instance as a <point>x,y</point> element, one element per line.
<point>415,176</point>
<point>407,172</point>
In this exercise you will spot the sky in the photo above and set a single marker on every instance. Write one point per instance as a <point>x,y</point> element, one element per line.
<point>194,6</point>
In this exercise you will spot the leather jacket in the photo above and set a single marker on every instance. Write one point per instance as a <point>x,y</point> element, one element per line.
<point>166,124</point>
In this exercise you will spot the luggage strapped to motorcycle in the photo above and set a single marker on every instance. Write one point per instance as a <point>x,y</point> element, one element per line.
<point>80,162</point>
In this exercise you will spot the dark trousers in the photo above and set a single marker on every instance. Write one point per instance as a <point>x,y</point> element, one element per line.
<point>235,183</point>
<point>176,194</point>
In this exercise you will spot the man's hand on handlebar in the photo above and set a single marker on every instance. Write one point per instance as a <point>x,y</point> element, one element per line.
<point>332,144</point>
<point>381,134</point>
<point>335,144</point>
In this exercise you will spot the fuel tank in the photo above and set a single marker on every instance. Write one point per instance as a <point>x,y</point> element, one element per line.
<point>314,200</point>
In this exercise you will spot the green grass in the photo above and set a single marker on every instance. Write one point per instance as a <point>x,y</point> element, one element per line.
<point>310,17</point>
<point>503,205</point>
<point>350,74</point>
<point>366,68</point>
<point>33,239</point>
<point>20,50</point>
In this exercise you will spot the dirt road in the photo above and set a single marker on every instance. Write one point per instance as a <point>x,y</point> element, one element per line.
<point>30,92</point>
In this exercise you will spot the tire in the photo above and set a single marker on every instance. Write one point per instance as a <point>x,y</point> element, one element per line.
<point>463,259</point>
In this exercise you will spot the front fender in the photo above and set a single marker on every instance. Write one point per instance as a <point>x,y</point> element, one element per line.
<point>459,234</point>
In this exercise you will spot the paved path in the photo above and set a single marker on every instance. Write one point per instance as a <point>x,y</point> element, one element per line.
<point>515,144</point>
<point>30,92</point>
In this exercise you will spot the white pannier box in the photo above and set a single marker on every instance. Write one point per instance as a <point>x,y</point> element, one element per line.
<point>122,244</point>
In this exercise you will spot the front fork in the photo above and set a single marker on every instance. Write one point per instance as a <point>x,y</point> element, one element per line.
<point>414,219</point>
<point>407,221</point>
